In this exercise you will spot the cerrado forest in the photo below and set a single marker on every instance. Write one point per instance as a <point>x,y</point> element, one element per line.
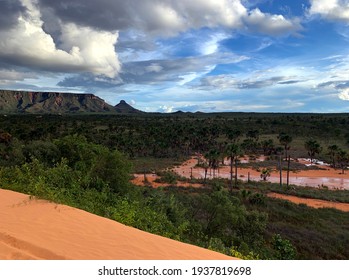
<point>88,161</point>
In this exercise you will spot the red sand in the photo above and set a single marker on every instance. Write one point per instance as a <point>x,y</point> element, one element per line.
<point>315,203</point>
<point>38,229</point>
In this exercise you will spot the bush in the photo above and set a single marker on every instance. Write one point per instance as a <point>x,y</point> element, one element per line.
<point>99,165</point>
<point>215,244</point>
<point>250,256</point>
<point>11,153</point>
<point>251,227</point>
<point>284,248</point>
<point>111,168</point>
<point>257,198</point>
<point>45,152</point>
<point>136,214</point>
<point>168,177</point>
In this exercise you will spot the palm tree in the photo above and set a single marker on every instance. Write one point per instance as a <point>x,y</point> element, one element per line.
<point>285,140</point>
<point>313,148</point>
<point>205,166</point>
<point>332,151</point>
<point>233,150</point>
<point>343,160</point>
<point>222,151</point>
<point>213,160</point>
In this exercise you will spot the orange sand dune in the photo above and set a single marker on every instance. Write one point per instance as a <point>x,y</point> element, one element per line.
<point>38,229</point>
<point>315,203</point>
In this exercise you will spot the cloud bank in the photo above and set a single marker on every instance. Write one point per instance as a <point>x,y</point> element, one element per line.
<point>81,36</point>
<point>166,17</point>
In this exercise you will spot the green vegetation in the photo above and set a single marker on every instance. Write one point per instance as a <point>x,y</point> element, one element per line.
<point>313,148</point>
<point>306,192</point>
<point>86,162</point>
<point>314,233</point>
<point>151,164</point>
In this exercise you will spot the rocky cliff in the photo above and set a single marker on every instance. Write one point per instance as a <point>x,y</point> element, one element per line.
<point>55,103</point>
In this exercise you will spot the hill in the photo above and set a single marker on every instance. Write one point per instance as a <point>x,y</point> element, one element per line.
<point>125,108</point>
<point>12,102</point>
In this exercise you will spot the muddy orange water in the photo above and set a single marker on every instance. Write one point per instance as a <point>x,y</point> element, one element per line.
<point>329,177</point>
<point>38,229</point>
<point>315,203</point>
<point>314,178</point>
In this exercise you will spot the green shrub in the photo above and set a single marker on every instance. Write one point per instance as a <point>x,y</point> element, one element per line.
<point>250,256</point>
<point>99,165</point>
<point>215,244</point>
<point>284,248</point>
<point>46,152</point>
<point>167,177</point>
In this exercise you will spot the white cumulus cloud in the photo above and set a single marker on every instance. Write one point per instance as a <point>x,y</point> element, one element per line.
<point>164,17</point>
<point>271,24</point>
<point>81,36</point>
<point>8,76</point>
<point>166,109</point>
<point>344,94</point>
<point>83,49</point>
<point>94,49</point>
<point>331,9</point>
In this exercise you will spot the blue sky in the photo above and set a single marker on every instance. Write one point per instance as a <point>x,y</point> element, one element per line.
<point>167,55</point>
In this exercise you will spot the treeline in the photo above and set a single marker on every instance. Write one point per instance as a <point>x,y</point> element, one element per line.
<point>177,136</point>
<point>170,136</point>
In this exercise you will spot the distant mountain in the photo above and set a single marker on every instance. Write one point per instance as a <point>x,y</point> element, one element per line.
<point>125,108</point>
<point>178,112</point>
<point>56,103</point>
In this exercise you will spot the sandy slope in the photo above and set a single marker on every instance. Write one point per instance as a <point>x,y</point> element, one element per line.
<point>38,229</point>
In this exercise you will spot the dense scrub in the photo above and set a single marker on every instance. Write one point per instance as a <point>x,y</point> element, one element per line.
<point>177,135</point>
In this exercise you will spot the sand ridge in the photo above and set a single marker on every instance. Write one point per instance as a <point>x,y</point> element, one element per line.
<point>31,228</point>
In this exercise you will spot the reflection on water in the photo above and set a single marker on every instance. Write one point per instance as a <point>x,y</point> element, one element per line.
<point>339,183</point>
<point>188,170</point>
<point>332,183</point>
